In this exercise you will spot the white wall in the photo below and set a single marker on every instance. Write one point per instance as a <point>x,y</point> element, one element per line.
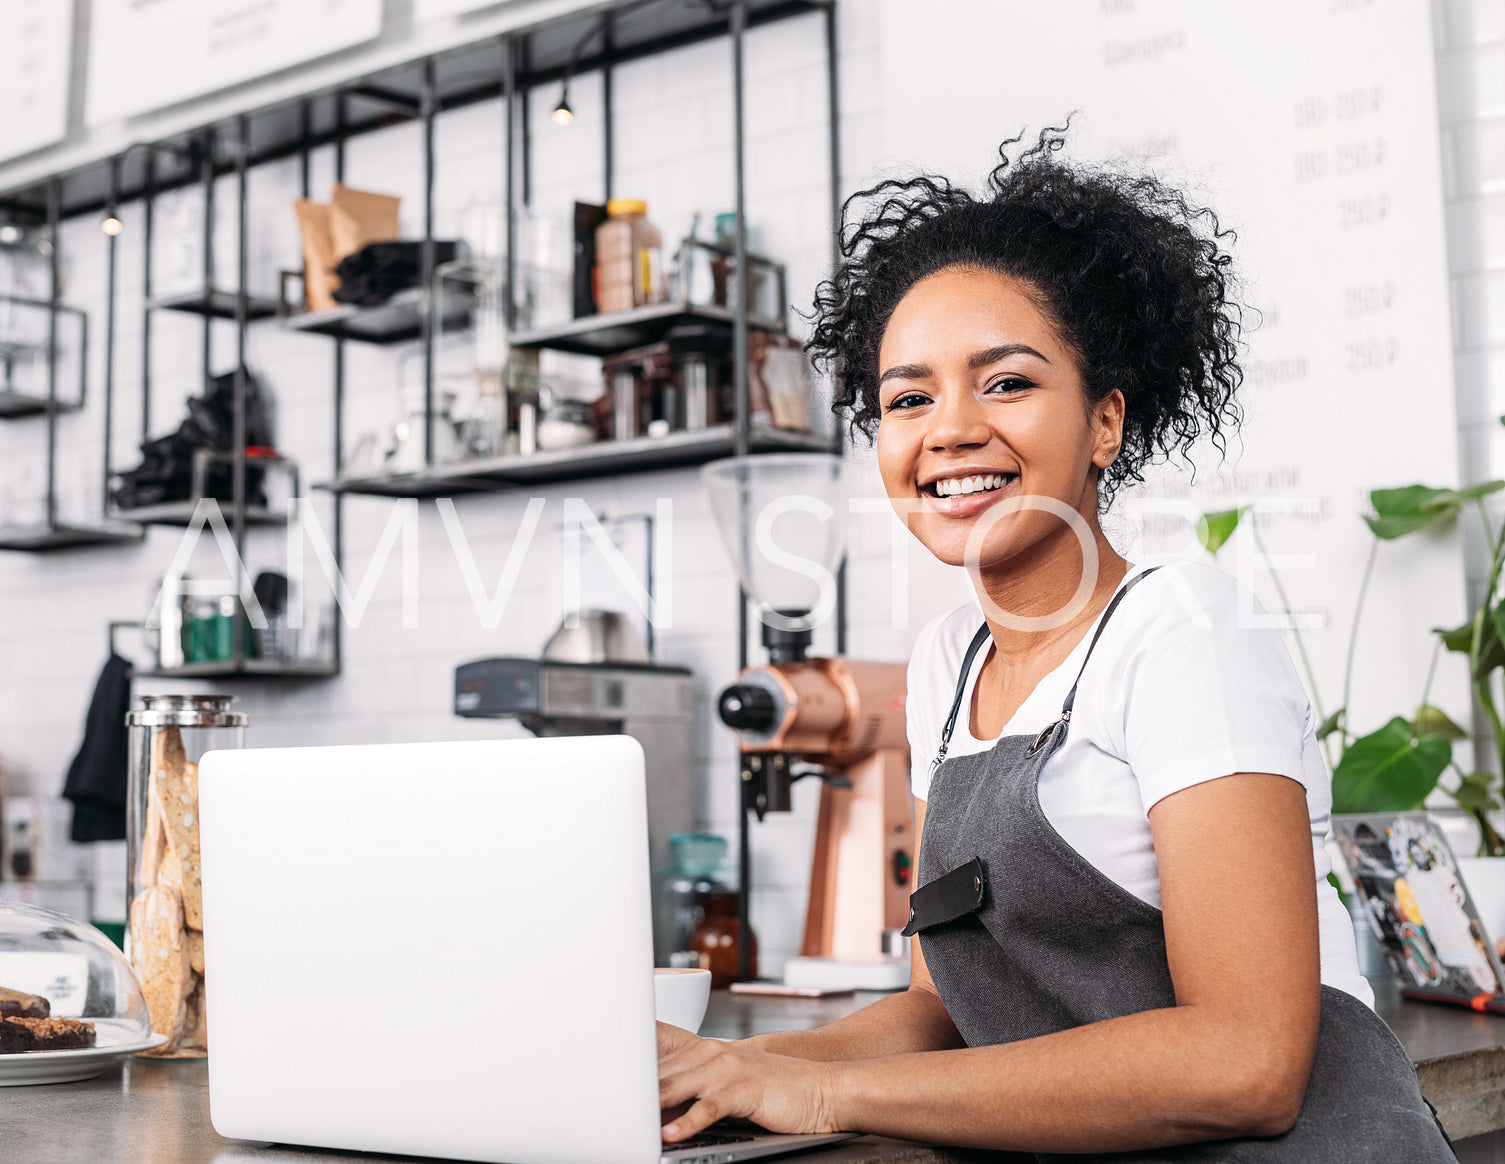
<point>674,122</point>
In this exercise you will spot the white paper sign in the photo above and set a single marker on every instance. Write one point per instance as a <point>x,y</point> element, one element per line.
<point>145,54</point>
<point>34,56</point>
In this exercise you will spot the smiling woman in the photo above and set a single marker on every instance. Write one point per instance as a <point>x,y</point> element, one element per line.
<point>1123,935</point>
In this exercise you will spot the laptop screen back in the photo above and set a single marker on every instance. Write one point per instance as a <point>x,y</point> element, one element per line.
<point>432,949</point>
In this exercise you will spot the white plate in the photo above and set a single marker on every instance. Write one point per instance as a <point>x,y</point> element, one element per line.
<point>67,1066</point>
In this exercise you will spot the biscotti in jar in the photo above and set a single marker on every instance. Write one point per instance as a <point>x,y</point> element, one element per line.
<point>165,935</point>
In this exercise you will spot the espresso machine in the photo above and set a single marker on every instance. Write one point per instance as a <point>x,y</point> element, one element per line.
<point>595,678</point>
<point>836,719</point>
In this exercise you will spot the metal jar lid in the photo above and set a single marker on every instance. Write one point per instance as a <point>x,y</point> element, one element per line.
<point>207,711</point>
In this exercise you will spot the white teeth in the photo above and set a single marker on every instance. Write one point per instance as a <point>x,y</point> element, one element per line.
<point>959,486</point>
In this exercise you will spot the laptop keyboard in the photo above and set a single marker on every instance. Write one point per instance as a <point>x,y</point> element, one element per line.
<point>708,1140</point>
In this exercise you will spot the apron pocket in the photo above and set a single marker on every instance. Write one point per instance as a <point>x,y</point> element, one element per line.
<point>948,897</point>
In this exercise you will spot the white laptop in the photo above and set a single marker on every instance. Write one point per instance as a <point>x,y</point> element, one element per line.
<point>438,950</point>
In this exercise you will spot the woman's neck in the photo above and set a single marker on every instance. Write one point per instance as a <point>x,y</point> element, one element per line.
<point>1035,586</point>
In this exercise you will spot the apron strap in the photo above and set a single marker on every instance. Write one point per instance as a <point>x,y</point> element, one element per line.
<point>982,636</point>
<point>1101,626</point>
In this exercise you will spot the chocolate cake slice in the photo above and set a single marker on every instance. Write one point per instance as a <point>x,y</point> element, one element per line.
<point>14,1004</point>
<point>49,1034</point>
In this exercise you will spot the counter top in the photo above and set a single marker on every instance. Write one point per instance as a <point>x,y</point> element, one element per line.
<point>150,1112</point>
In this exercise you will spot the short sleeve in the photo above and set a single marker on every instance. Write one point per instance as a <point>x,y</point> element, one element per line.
<point>1209,688</point>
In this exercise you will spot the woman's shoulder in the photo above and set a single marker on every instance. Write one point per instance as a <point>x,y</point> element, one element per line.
<point>1194,595</point>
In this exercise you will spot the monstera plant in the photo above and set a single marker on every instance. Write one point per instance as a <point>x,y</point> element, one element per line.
<point>1395,767</point>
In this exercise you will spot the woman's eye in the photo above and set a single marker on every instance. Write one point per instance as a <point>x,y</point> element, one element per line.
<point>907,400</point>
<point>1008,384</point>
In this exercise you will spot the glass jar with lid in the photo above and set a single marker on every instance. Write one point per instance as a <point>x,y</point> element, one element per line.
<point>165,934</point>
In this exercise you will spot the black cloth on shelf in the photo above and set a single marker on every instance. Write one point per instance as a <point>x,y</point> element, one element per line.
<point>97,777</point>
<point>166,469</point>
<point>379,271</point>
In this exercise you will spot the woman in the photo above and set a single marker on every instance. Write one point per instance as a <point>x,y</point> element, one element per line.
<point>1125,939</point>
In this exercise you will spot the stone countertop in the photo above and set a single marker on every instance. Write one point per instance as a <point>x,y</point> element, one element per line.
<point>151,1112</point>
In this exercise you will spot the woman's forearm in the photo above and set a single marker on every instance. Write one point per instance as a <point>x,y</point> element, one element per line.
<point>912,1021</point>
<point>1149,1079</point>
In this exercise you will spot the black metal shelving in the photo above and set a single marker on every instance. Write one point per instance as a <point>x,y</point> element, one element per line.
<point>601,459</point>
<point>52,532</point>
<point>399,320</point>
<point>597,38</point>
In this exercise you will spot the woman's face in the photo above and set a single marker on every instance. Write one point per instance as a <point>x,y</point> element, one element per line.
<point>981,401</point>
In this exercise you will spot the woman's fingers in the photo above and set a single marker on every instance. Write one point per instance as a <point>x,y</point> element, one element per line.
<point>673,1039</point>
<point>700,1116</point>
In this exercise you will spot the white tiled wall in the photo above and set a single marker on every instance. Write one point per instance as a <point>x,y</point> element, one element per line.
<point>673,130</point>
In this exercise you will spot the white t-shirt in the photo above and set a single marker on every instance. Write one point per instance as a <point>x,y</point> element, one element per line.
<point>1188,683</point>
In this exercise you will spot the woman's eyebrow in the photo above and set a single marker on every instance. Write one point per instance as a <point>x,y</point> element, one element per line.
<point>905,372</point>
<point>993,355</point>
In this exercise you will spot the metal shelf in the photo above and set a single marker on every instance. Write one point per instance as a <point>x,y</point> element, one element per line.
<point>213,303</point>
<point>180,513</point>
<point>595,460</point>
<point>62,535</point>
<point>621,331</point>
<point>244,669</point>
<point>396,321</point>
<point>14,405</point>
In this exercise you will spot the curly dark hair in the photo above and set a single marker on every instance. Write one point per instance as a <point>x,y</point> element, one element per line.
<point>1136,280</point>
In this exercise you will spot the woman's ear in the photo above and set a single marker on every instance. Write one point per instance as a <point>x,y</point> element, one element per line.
<point>1108,429</point>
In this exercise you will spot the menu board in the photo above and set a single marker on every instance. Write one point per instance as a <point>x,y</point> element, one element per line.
<point>145,54</point>
<point>34,56</point>
<point>1311,127</point>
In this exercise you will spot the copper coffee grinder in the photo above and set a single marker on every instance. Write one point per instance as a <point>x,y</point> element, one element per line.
<point>783,518</point>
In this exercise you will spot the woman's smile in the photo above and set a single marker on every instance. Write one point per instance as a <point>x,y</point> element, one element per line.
<point>963,492</point>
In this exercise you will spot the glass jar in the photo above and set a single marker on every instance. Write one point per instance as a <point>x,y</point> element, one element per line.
<point>165,934</point>
<point>629,252</point>
<point>680,895</point>
<point>719,935</point>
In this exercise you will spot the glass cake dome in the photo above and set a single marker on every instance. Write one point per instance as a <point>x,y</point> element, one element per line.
<point>80,972</point>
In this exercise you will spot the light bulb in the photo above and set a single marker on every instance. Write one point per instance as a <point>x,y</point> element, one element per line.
<point>563,114</point>
<point>111,226</point>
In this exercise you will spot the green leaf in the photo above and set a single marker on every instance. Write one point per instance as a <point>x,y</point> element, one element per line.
<point>1398,512</point>
<point>1459,639</point>
<point>1491,647</point>
<point>1433,721</point>
<point>1214,529</point>
<point>1331,724</point>
<point>1476,791</point>
<point>1389,770</point>
<point>1455,499</point>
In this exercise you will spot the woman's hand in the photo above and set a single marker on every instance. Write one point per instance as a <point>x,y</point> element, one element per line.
<point>704,1080</point>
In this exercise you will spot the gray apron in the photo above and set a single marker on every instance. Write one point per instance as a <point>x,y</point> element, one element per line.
<point>1024,937</point>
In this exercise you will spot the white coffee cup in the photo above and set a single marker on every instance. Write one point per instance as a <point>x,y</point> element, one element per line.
<point>680,996</point>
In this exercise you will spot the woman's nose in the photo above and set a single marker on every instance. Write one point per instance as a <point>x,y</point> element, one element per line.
<point>958,421</point>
